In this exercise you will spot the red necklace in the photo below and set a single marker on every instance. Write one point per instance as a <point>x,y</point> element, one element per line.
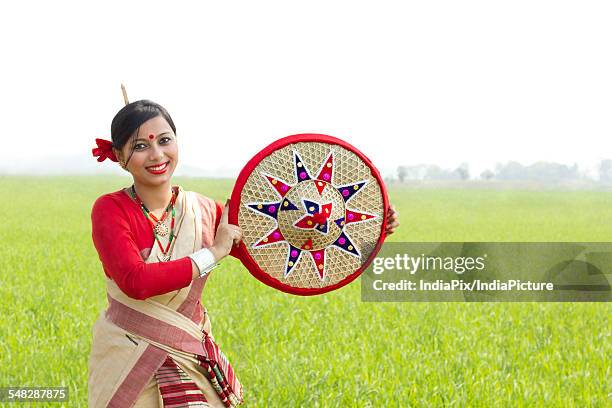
<point>159,227</point>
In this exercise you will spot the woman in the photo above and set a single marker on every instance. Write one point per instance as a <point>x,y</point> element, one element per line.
<point>157,243</point>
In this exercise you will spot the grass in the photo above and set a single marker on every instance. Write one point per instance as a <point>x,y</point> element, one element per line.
<point>330,350</point>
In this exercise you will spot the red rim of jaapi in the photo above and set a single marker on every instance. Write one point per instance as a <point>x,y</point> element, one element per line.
<point>243,254</point>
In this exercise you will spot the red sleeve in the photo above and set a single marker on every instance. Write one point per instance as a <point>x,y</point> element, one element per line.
<point>234,251</point>
<point>114,240</point>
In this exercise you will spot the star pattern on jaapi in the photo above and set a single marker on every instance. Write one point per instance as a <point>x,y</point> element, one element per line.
<point>316,215</point>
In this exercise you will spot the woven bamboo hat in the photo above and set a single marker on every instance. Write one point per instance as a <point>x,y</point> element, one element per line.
<point>312,209</point>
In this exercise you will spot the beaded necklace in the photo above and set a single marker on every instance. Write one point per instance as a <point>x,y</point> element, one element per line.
<point>159,227</point>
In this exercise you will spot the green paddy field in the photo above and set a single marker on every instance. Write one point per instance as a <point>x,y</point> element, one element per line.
<point>330,350</point>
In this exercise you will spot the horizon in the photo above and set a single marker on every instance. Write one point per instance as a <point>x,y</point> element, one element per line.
<point>85,165</point>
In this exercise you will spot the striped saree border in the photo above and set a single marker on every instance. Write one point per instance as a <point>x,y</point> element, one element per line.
<point>151,328</point>
<point>133,384</point>
<point>177,389</point>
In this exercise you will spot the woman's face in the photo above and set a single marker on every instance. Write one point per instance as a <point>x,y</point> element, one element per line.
<point>155,153</point>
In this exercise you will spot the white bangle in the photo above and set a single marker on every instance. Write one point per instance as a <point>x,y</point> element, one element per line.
<point>204,260</point>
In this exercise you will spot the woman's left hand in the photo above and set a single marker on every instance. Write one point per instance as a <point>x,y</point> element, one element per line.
<point>392,220</point>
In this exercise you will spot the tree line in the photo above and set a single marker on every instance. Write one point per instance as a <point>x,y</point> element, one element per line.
<point>512,170</point>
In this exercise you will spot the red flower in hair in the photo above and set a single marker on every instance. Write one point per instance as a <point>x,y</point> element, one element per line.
<point>104,150</point>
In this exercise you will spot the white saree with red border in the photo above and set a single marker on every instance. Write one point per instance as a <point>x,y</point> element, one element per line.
<point>159,352</point>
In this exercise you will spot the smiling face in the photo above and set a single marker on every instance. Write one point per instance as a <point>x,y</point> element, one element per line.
<point>155,153</point>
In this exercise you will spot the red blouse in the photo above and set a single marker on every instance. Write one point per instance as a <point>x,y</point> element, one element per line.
<point>124,237</point>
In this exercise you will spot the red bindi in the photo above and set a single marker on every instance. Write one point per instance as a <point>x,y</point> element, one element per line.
<point>151,136</point>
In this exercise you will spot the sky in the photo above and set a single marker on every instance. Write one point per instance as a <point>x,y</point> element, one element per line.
<point>440,82</point>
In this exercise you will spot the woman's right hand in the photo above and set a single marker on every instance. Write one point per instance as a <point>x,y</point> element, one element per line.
<point>226,236</point>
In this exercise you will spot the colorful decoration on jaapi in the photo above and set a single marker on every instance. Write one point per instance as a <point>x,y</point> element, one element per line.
<point>312,210</point>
